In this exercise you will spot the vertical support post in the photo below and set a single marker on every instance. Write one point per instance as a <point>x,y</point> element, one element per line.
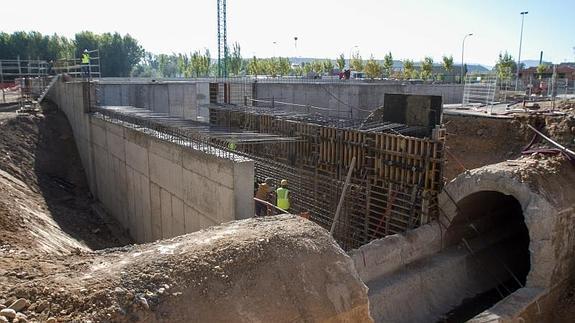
<point>340,203</point>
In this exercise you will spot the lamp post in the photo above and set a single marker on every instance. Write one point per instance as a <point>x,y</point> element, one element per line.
<point>462,52</point>
<point>275,45</point>
<point>295,44</point>
<point>523,13</point>
<point>351,51</point>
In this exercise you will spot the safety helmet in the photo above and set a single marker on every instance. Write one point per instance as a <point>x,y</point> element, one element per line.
<point>284,182</point>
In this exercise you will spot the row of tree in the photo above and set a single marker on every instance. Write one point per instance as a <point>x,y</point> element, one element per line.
<point>124,56</point>
<point>118,54</point>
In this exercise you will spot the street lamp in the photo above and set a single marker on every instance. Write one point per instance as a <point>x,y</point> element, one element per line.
<point>350,51</point>
<point>462,51</point>
<point>523,13</point>
<point>275,45</point>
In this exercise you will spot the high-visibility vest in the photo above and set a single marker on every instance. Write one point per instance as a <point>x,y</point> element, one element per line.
<point>263,191</point>
<point>85,58</point>
<point>282,198</point>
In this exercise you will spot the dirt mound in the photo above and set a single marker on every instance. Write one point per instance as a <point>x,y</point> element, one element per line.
<point>284,269</point>
<point>45,203</point>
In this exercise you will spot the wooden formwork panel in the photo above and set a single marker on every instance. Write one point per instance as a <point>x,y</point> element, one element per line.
<point>393,175</point>
<point>395,158</point>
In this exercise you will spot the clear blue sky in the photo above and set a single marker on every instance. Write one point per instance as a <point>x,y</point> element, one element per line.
<point>408,28</point>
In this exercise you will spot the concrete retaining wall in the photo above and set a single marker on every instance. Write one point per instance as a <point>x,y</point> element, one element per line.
<point>178,99</point>
<point>156,189</point>
<point>350,100</point>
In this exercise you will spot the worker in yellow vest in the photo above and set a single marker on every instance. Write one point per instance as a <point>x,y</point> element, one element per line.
<point>86,63</point>
<point>283,196</point>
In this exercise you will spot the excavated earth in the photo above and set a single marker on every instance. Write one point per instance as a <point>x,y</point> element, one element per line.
<point>60,262</point>
<point>475,141</point>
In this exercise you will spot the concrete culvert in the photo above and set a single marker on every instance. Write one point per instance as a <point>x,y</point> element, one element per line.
<point>514,218</point>
<point>490,225</point>
<point>501,251</point>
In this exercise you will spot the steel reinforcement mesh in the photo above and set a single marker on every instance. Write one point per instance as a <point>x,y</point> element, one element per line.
<point>393,187</point>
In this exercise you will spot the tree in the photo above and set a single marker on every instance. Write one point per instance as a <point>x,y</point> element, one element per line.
<point>447,63</point>
<point>542,68</point>
<point>356,62</point>
<point>427,68</point>
<point>307,68</point>
<point>372,68</point>
<point>253,66</point>
<point>328,66</point>
<point>388,64</point>
<point>505,66</point>
<point>408,69</point>
<point>284,66</point>
<point>317,66</point>
<point>236,60</point>
<point>340,61</point>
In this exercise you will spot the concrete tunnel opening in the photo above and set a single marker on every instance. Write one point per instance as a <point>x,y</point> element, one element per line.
<point>491,226</point>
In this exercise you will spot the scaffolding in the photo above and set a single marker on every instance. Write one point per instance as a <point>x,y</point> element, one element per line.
<point>13,69</point>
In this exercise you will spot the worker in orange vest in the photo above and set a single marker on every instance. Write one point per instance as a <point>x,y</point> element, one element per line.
<point>263,193</point>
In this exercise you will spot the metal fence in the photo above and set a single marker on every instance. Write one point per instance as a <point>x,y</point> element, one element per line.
<point>479,89</point>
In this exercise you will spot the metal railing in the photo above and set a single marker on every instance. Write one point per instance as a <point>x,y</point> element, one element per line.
<point>74,67</point>
<point>13,69</point>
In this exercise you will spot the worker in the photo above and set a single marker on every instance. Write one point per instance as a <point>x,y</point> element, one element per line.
<point>232,144</point>
<point>282,196</point>
<point>86,64</point>
<point>263,193</point>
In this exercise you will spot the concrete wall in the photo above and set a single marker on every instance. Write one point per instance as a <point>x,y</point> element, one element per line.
<point>156,189</point>
<point>178,99</point>
<point>362,98</point>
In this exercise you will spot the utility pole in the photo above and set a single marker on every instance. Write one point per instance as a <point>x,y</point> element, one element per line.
<point>523,13</point>
<point>462,61</point>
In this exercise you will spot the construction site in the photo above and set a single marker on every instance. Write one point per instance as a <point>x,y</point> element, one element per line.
<point>133,200</point>
<point>139,199</point>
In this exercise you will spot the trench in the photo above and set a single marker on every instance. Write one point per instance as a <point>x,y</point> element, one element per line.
<point>490,226</point>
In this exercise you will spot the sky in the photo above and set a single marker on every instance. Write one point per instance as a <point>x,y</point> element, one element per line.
<point>408,28</point>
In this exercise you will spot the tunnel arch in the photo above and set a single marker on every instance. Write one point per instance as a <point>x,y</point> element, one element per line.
<point>490,186</point>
